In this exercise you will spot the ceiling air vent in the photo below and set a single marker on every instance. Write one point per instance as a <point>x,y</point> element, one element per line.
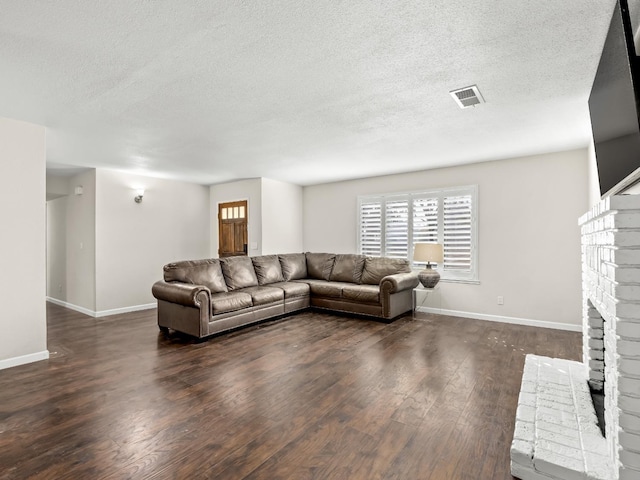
<point>467,96</point>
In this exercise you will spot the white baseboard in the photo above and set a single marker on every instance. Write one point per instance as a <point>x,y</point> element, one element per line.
<point>101,313</point>
<point>499,318</point>
<point>21,360</point>
<point>71,306</point>
<point>116,311</point>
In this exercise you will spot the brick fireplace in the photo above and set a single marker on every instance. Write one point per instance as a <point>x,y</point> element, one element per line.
<point>556,435</point>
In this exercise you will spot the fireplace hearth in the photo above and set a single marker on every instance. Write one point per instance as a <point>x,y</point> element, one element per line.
<point>557,434</point>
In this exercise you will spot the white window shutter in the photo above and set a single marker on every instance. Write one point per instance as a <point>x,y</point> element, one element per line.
<point>457,232</point>
<point>396,243</point>
<point>425,222</point>
<point>371,228</point>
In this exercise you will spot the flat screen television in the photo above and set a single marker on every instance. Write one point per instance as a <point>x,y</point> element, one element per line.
<point>614,106</point>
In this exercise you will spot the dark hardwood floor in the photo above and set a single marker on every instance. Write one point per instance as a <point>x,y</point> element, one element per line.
<point>312,396</point>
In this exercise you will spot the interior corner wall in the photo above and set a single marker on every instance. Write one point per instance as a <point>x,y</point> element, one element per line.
<point>57,249</point>
<point>79,284</point>
<point>250,190</point>
<point>22,243</point>
<point>135,240</point>
<point>281,217</point>
<point>528,235</point>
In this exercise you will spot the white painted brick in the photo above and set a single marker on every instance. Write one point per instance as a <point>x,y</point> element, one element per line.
<point>626,274</point>
<point>625,292</point>
<point>522,452</point>
<point>628,329</point>
<point>629,422</point>
<point>525,413</point>
<point>629,441</point>
<point>594,443</point>
<point>527,398</point>
<point>598,467</point>
<point>628,474</point>
<point>629,366</point>
<point>526,473</point>
<point>621,202</point>
<point>628,348</point>
<point>624,239</point>
<point>596,365</point>
<point>558,466</point>
<point>524,431</point>
<point>629,386</point>
<point>596,333</point>
<point>630,459</point>
<point>626,220</point>
<point>569,439</point>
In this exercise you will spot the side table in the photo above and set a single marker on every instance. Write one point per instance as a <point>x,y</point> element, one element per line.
<point>432,294</point>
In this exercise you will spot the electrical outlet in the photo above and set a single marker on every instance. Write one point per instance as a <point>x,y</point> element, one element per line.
<point>500,300</point>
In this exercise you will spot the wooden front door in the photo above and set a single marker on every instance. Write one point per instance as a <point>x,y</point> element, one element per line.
<point>232,228</point>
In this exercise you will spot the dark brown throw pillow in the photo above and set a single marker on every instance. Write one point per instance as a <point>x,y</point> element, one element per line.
<point>294,266</point>
<point>238,272</point>
<point>267,269</point>
<point>319,265</point>
<point>347,268</point>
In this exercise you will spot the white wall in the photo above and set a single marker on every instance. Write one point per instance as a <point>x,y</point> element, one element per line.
<point>57,186</point>
<point>250,190</point>
<point>135,240</point>
<point>22,243</point>
<point>529,243</point>
<point>281,217</point>
<point>80,284</point>
<point>57,248</point>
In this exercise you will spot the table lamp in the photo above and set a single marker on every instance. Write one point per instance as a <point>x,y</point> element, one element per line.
<point>428,252</point>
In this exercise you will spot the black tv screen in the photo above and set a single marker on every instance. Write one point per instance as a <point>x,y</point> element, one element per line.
<point>613,105</point>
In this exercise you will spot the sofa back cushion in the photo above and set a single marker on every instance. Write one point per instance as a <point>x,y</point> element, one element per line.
<point>238,272</point>
<point>294,266</point>
<point>376,268</point>
<point>319,265</point>
<point>197,272</point>
<point>267,268</point>
<point>347,268</point>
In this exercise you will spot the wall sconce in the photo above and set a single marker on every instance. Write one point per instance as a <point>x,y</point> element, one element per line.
<point>139,195</point>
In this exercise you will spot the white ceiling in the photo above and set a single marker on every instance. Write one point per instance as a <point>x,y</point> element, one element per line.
<point>306,92</point>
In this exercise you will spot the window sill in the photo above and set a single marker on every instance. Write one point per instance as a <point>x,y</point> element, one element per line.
<point>460,280</point>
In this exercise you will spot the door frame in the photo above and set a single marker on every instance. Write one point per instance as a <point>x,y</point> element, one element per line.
<point>218,223</point>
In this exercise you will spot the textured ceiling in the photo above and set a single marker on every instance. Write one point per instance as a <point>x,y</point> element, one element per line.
<point>300,91</point>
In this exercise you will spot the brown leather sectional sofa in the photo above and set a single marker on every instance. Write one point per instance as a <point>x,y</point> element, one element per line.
<point>204,297</point>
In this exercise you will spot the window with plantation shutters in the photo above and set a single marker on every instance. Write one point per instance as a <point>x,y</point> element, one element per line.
<point>390,225</point>
<point>457,232</point>
<point>371,228</point>
<point>396,238</point>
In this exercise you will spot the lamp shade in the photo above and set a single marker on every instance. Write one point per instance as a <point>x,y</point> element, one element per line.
<point>428,252</point>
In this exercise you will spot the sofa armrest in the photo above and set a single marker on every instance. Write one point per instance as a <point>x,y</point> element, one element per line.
<point>181,293</point>
<point>399,282</point>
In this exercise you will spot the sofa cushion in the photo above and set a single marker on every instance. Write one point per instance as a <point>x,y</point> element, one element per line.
<point>197,272</point>
<point>238,272</point>
<point>267,268</point>
<point>347,268</point>
<point>319,265</point>
<point>293,289</point>
<point>294,266</point>
<point>230,302</point>
<point>264,295</point>
<point>362,293</point>
<point>324,288</point>
<point>376,268</point>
